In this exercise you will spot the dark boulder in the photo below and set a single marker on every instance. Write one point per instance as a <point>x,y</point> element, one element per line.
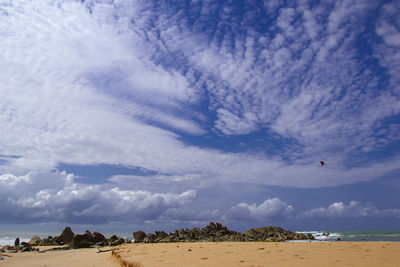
<point>273,233</point>
<point>27,248</point>
<point>150,238</point>
<point>216,232</point>
<point>160,235</point>
<point>35,241</point>
<point>67,235</point>
<point>16,242</point>
<point>49,241</point>
<point>82,241</point>
<point>117,242</point>
<point>25,244</point>
<point>139,236</point>
<point>8,247</point>
<point>113,238</point>
<point>98,237</point>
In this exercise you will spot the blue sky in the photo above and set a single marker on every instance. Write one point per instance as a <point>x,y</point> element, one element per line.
<point>163,114</point>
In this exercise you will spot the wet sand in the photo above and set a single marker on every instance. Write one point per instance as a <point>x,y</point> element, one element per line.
<point>222,254</point>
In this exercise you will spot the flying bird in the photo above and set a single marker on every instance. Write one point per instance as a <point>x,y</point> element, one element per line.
<point>322,163</point>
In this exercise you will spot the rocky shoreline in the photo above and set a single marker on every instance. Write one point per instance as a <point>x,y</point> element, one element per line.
<point>213,232</point>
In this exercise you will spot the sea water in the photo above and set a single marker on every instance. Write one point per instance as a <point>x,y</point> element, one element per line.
<point>356,235</point>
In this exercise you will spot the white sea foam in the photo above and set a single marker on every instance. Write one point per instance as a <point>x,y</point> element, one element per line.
<point>6,240</point>
<point>323,236</point>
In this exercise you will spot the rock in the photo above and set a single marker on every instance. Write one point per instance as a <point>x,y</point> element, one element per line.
<point>26,249</point>
<point>98,237</point>
<point>82,241</point>
<point>117,242</point>
<point>139,236</point>
<point>16,242</point>
<point>8,247</point>
<point>273,233</point>
<point>216,232</point>
<point>67,235</point>
<point>150,238</point>
<point>160,235</point>
<point>49,241</point>
<point>35,241</point>
<point>113,238</point>
<point>24,244</point>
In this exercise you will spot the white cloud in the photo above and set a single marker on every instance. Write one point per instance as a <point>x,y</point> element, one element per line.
<point>276,78</point>
<point>354,209</point>
<point>94,87</point>
<point>44,196</point>
<point>270,209</point>
<point>388,52</point>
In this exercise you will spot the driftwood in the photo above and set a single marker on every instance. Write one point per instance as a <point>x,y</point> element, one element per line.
<point>55,249</point>
<point>106,250</point>
<point>5,255</point>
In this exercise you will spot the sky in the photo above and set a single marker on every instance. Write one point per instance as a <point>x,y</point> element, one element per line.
<point>167,114</point>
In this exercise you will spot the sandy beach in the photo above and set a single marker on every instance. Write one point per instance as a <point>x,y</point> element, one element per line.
<point>68,258</point>
<point>223,254</point>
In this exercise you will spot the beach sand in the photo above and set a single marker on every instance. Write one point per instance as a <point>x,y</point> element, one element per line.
<point>68,258</point>
<point>264,254</point>
<point>223,254</point>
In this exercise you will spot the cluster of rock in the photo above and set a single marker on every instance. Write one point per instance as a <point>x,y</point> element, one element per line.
<point>215,232</point>
<point>68,239</point>
<point>22,247</point>
<point>85,240</point>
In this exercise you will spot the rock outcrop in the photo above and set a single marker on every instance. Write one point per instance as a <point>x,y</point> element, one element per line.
<point>35,241</point>
<point>67,235</point>
<point>82,241</point>
<point>86,240</point>
<point>273,233</point>
<point>98,237</point>
<point>215,232</point>
<point>139,236</point>
<point>22,247</point>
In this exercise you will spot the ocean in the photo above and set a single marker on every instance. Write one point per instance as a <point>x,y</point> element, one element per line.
<point>8,237</point>
<point>356,235</point>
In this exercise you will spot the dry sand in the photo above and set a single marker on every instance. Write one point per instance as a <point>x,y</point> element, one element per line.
<point>68,258</point>
<point>264,254</point>
<point>223,254</point>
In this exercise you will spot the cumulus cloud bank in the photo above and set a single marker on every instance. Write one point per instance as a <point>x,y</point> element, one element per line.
<point>354,209</point>
<point>270,209</point>
<point>41,197</point>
